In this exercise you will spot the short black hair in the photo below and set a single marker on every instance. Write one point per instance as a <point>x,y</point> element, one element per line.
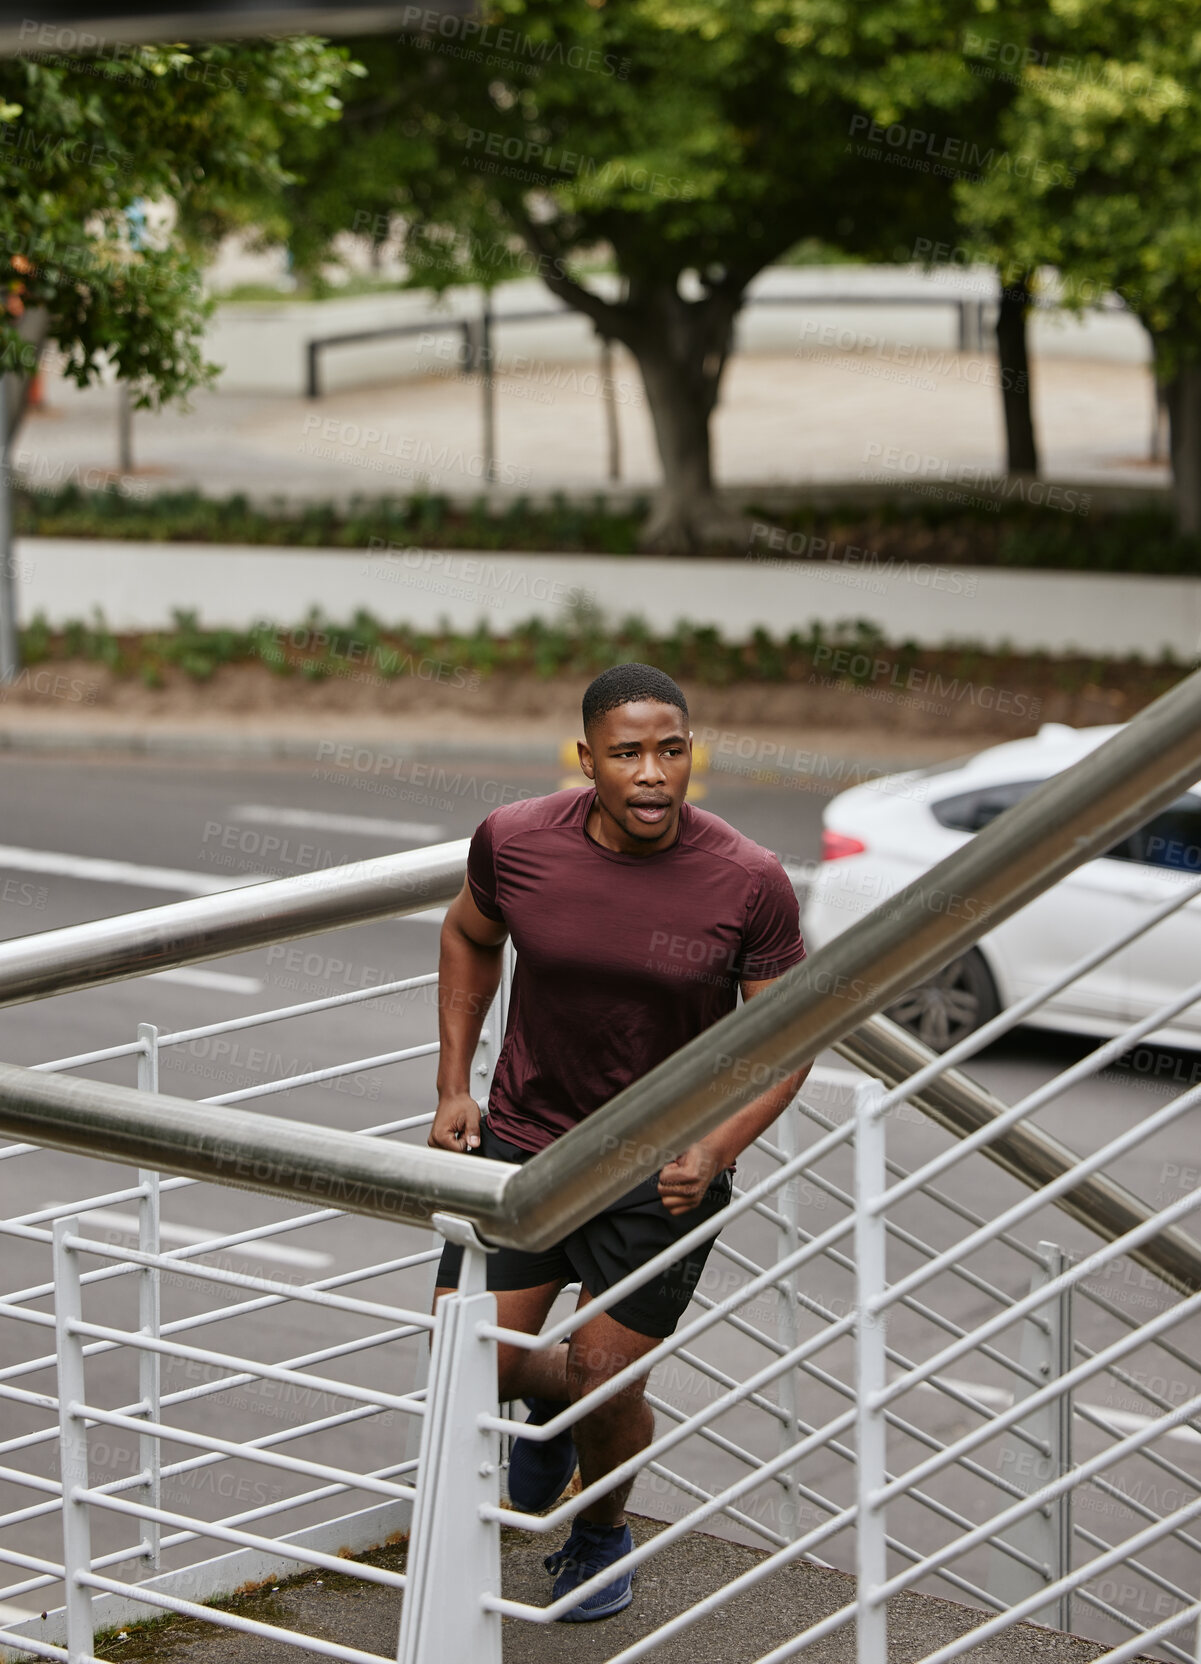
<point>626,684</point>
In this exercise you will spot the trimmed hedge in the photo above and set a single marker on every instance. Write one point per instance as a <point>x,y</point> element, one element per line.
<point>1016,535</point>
<point>847,653</point>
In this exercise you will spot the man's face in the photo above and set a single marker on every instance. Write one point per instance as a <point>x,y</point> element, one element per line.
<point>639,757</point>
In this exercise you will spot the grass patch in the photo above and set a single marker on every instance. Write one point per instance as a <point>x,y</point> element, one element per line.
<point>267,1602</point>
<point>851,654</point>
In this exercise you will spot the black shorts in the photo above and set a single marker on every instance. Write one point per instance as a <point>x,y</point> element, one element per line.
<point>617,1241</point>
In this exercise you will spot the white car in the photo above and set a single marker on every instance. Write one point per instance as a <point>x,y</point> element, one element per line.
<point>878,837</point>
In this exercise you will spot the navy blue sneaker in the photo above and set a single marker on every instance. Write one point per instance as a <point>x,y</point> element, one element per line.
<point>588,1550</point>
<point>540,1473</point>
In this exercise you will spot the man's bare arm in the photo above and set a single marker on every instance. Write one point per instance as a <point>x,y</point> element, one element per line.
<point>684,1181</point>
<point>469,963</point>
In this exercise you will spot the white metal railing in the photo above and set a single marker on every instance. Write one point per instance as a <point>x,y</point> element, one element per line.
<point>315,1492</point>
<point>896,1360</point>
<point>1053,1502</point>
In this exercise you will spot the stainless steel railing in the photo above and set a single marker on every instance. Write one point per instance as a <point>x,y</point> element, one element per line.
<point>1074,816</point>
<point>251,916</point>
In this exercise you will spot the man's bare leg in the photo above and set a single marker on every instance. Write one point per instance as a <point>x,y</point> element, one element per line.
<point>522,1374</point>
<point>618,1428</point>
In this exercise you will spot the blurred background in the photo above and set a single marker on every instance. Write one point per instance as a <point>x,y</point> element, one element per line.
<point>818,348</point>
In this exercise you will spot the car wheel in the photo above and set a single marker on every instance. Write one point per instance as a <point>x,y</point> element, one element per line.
<point>953,1004</point>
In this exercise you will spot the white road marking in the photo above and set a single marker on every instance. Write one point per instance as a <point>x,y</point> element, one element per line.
<point>1127,1421</point>
<point>220,982</point>
<point>266,814</point>
<point>10,1614</point>
<point>99,871</point>
<point>188,1235</point>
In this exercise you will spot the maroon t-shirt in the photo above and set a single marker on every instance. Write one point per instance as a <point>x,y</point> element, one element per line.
<point>621,959</point>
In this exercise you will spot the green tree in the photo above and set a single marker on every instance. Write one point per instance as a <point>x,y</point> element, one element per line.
<point>939,77</point>
<point>84,139</point>
<point>1108,115</point>
<point>694,140</point>
<point>83,142</point>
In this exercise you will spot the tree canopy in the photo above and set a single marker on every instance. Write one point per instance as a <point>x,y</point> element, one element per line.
<point>85,141</point>
<point>1105,111</point>
<point>697,140</point>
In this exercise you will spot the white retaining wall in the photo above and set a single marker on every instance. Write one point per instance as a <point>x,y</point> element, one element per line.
<point>138,585</point>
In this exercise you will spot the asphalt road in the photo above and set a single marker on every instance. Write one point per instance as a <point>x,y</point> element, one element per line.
<point>82,840</point>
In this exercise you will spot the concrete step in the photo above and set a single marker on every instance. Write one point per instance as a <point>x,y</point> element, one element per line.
<point>770,1612</point>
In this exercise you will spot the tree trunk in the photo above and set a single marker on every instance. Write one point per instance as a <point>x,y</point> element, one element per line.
<point>15,384</point>
<point>686,507</point>
<point>681,347</point>
<point>1184,415</point>
<point>1021,447</point>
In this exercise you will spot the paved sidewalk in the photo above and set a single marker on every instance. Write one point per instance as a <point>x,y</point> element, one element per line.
<point>834,752</point>
<point>763,1616</point>
<point>833,416</point>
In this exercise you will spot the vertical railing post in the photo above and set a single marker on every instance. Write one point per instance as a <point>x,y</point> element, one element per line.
<point>454,1554</point>
<point>149,1280</point>
<point>72,1443</point>
<point>871,1373</point>
<point>1062,1346</point>
<point>1046,1534</point>
<point>788,1238</point>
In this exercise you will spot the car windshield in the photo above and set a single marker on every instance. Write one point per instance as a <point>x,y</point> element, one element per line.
<point>1170,839</point>
<point>972,811</point>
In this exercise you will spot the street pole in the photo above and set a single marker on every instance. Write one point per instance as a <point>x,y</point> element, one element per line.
<point>489,388</point>
<point>608,395</point>
<point>124,429</point>
<point>10,650</point>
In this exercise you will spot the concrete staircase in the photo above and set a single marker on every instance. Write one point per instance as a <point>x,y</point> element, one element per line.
<point>772,1611</point>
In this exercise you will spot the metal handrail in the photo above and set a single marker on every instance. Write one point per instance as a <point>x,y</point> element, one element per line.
<point>1074,816</point>
<point>206,927</point>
